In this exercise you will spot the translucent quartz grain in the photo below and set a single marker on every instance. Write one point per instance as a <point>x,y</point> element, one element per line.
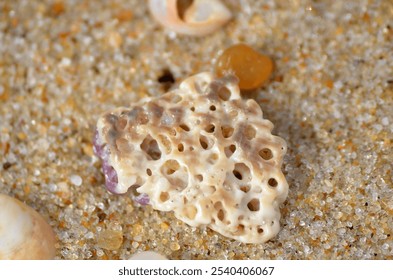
<point>252,68</point>
<point>110,239</point>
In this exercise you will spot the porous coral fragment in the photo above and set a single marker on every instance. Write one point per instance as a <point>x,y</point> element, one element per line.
<point>252,68</point>
<point>202,152</point>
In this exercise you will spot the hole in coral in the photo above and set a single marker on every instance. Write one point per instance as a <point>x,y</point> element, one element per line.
<point>192,109</point>
<point>212,189</point>
<point>150,147</point>
<point>242,172</point>
<point>221,215</point>
<point>199,177</point>
<point>122,123</point>
<point>123,146</point>
<point>210,128</point>
<point>250,132</point>
<point>266,154</point>
<point>241,217</point>
<point>184,127</point>
<point>237,174</point>
<point>148,172</point>
<point>166,143</point>
<point>212,108</point>
<point>245,189</point>
<point>218,205</point>
<point>224,93</point>
<point>190,212</point>
<point>260,230</point>
<point>138,116</point>
<point>240,230</point>
<point>226,131</point>
<point>185,200</point>
<point>253,205</point>
<point>272,182</point>
<point>205,142</point>
<point>170,167</point>
<point>212,158</point>
<point>180,147</point>
<point>191,148</point>
<point>229,150</point>
<point>176,175</point>
<point>164,196</point>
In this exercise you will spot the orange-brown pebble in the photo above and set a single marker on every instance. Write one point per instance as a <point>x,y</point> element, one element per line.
<point>251,67</point>
<point>58,8</point>
<point>124,15</point>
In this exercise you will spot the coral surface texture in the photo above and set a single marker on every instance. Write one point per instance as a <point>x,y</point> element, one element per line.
<point>63,63</point>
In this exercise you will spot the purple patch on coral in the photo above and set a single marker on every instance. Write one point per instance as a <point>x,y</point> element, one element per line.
<point>98,148</point>
<point>142,199</point>
<point>111,179</point>
<point>110,174</point>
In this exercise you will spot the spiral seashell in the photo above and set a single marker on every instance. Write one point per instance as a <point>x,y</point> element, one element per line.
<point>200,18</point>
<point>24,234</point>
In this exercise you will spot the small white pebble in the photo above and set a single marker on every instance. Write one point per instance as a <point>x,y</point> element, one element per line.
<point>385,121</point>
<point>89,235</point>
<point>76,180</point>
<point>101,205</point>
<point>338,85</point>
<point>358,211</point>
<point>51,156</point>
<point>52,187</point>
<point>100,253</point>
<point>65,61</point>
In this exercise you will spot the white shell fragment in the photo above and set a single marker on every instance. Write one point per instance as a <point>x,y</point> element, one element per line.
<point>204,153</point>
<point>24,234</point>
<point>201,18</point>
<point>148,255</point>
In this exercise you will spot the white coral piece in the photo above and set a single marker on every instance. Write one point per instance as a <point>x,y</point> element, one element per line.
<point>204,153</point>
